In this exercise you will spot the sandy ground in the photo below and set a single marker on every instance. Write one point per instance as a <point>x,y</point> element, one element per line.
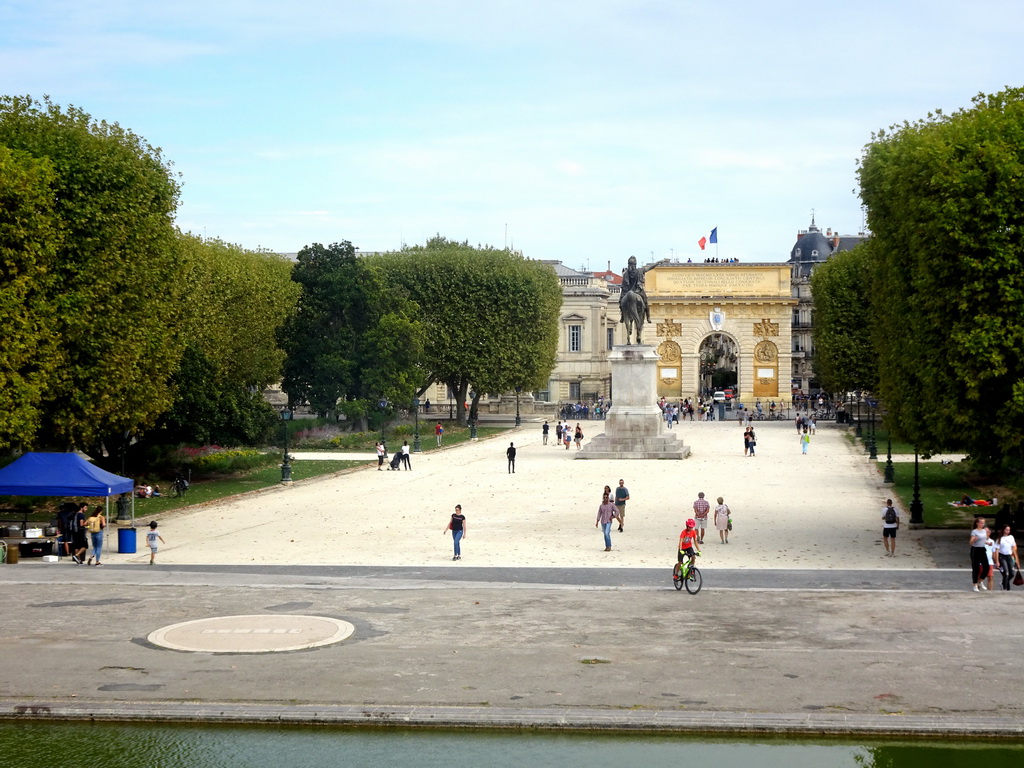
<point>789,510</point>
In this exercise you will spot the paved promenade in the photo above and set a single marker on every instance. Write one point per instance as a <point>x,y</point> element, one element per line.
<point>807,628</point>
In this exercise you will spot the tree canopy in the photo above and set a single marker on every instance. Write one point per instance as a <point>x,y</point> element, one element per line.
<point>234,301</point>
<point>111,286</point>
<point>844,358</point>
<point>491,316</point>
<point>353,338</point>
<point>28,246</point>
<point>945,204</point>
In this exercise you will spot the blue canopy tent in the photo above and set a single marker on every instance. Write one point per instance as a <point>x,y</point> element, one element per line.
<point>62,474</point>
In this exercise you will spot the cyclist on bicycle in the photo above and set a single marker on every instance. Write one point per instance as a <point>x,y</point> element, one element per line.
<point>688,543</point>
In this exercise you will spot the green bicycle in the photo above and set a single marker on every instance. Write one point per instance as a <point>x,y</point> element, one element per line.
<point>689,575</point>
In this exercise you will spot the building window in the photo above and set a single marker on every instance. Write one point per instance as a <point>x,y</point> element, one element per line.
<point>575,338</point>
<point>611,338</point>
<point>574,390</point>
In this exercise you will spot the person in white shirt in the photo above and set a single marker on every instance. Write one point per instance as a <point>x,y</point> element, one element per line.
<point>1006,559</point>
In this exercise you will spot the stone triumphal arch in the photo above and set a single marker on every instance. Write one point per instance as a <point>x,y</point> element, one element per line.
<point>715,323</point>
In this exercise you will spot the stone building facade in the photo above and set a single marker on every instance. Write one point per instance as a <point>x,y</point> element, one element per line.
<point>739,312</point>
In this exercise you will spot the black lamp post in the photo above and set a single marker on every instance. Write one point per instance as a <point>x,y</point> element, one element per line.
<point>416,447</point>
<point>519,421</point>
<point>383,407</point>
<point>872,445</point>
<point>286,466</point>
<point>916,507</point>
<point>890,475</point>
<point>472,414</point>
<point>857,431</point>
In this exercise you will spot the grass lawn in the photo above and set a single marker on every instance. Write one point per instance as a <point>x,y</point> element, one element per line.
<point>939,485</point>
<point>881,435</point>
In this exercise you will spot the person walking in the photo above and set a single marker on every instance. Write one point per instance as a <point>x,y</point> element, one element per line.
<point>406,462</point>
<point>723,520</point>
<point>438,432</point>
<point>151,541</point>
<point>701,507</point>
<point>544,432</point>
<point>457,525</point>
<point>95,524</point>
<point>979,559</point>
<point>579,437</point>
<point>805,441</point>
<point>746,441</point>
<point>890,524</point>
<point>558,434</point>
<point>605,514</point>
<point>1007,560</point>
<point>510,454</point>
<point>621,497</point>
<point>753,441</point>
<point>380,456</point>
<point>567,437</point>
<point>79,546</point>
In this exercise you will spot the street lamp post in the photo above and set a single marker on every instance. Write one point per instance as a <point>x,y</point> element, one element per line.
<point>286,466</point>
<point>519,422</point>
<point>872,445</point>
<point>472,415</point>
<point>383,406</point>
<point>890,475</point>
<point>916,507</point>
<point>416,447</point>
<point>857,431</point>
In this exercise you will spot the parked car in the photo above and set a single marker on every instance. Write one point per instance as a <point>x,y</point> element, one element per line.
<point>729,394</point>
<point>718,396</point>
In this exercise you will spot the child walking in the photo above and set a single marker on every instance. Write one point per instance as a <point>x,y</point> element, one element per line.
<point>151,539</point>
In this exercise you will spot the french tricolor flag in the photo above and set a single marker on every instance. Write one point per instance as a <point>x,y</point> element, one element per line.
<point>705,240</point>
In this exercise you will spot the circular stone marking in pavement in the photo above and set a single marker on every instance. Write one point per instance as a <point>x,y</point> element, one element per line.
<point>252,634</point>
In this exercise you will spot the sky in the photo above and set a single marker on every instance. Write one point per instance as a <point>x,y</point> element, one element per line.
<point>580,130</point>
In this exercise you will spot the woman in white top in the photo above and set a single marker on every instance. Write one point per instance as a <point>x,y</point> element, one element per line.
<point>1006,556</point>
<point>979,559</point>
<point>722,514</point>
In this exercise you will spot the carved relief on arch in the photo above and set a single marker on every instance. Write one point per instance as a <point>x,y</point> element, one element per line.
<point>670,353</point>
<point>766,352</point>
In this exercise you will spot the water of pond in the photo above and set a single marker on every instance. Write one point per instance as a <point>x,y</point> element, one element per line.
<point>107,745</point>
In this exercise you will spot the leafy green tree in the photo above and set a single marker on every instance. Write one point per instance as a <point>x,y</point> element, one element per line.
<point>28,246</point>
<point>491,315</point>
<point>945,203</point>
<point>844,357</point>
<point>353,338</point>
<point>234,302</point>
<point>113,290</point>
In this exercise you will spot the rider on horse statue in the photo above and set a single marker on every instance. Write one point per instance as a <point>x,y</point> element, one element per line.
<point>633,280</point>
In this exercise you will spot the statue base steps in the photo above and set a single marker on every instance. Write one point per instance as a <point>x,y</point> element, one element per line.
<point>634,428</point>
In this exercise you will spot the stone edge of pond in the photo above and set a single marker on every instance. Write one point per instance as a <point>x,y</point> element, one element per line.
<point>541,719</point>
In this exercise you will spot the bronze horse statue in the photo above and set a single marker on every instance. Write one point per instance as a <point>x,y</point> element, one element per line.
<point>632,310</point>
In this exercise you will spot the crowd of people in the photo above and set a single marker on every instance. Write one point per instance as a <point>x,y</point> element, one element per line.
<point>585,410</point>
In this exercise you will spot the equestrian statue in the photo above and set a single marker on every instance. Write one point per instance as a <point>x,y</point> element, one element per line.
<point>634,307</point>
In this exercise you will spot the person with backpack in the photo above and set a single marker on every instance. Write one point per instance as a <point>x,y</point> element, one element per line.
<point>95,524</point>
<point>890,524</point>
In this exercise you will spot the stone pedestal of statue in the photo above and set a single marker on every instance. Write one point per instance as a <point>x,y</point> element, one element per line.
<point>635,427</point>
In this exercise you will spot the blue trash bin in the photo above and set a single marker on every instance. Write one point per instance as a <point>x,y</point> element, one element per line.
<point>126,541</point>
